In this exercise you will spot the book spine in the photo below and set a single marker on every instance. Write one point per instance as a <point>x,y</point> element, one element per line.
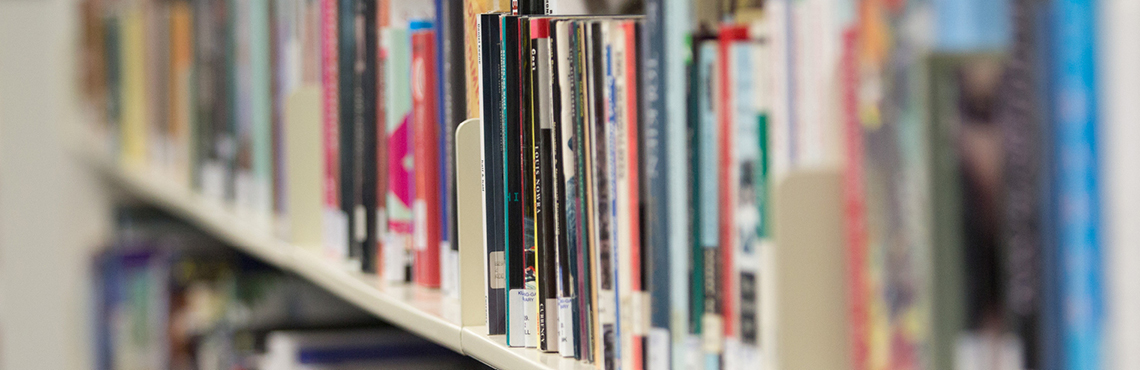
<point>853,202</point>
<point>727,204</point>
<point>677,60</point>
<point>563,106</point>
<point>381,225</point>
<point>619,152</point>
<point>368,115</point>
<point>747,175</point>
<point>544,189</point>
<point>401,161</point>
<point>348,131</point>
<point>261,105</point>
<point>604,123</point>
<point>527,172</point>
<point>512,182</point>
<point>335,241</point>
<point>425,130</point>
<point>586,237</point>
<point>490,72</point>
<point>454,111</point>
<point>181,88</point>
<point>708,139</point>
<point>1077,211</point>
<point>637,301</point>
<point>655,187</point>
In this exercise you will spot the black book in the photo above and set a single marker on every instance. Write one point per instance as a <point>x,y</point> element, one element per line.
<point>512,154</point>
<point>364,170</point>
<point>347,129</point>
<point>490,50</point>
<point>541,78</point>
<point>454,105</point>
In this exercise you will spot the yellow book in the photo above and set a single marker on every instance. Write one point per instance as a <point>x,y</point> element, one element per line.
<point>133,127</point>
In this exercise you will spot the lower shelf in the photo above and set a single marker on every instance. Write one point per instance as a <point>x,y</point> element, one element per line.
<point>425,312</point>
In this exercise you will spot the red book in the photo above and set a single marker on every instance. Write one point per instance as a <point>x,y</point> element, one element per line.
<point>854,203</point>
<point>629,31</point>
<point>330,107</point>
<point>728,35</point>
<point>425,127</point>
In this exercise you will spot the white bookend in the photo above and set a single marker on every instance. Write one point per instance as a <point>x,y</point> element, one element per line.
<point>469,211</point>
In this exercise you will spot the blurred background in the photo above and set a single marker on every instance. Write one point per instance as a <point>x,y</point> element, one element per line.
<point>69,239</point>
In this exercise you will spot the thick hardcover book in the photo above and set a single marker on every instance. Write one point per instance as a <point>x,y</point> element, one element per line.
<point>347,127</point>
<point>400,160</point>
<point>490,50</point>
<point>1077,209</point>
<point>544,194</point>
<point>425,127</point>
<point>566,187</point>
<point>512,183</point>
<point>526,176</point>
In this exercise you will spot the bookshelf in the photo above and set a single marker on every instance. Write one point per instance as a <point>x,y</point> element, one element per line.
<point>425,312</point>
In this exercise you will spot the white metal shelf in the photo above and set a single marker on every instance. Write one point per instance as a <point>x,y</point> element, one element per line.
<point>425,312</point>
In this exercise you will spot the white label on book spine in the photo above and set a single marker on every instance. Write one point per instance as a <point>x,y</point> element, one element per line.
<point>336,233</point>
<point>359,233</point>
<point>449,270</point>
<point>712,333</point>
<point>213,180</point>
<point>658,349</point>
<point>243,191</point>
<point>694,357</point>
<point>395,262</point>
<point>552,322</point>
<point>419,211</point>
<point>639,312</point>
<point>530,317</point>
<point>565,331</point>
<point>498,270</point>
<point>516,332</point>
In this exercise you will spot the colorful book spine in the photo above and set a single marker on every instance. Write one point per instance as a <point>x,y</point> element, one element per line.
<point>401,162</point>
<point>1078,235</point>
<point>707,191</point>
<point>630,285</point>
<point>181,88</point>
<point>565,105</point>
<point>584,169</point>
<point>425,129</point>
<point>527,172</point>
<point>544,193</point>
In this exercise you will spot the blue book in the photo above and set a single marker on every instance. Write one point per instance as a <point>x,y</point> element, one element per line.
<point>1077,208</point>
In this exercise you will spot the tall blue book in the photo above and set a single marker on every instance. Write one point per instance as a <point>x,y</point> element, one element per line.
<point>1077,200</point>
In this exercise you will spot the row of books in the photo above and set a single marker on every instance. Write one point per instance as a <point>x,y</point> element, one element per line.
<point>629,163</point>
